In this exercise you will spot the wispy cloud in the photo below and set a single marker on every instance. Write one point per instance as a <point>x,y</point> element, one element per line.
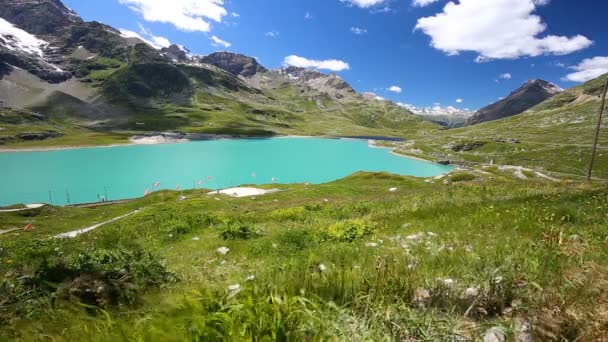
<point>358,30</point>
<point>588,69</point>
<point>272,34</point>
<point>186,15</point>
<point>328,64</point>
<point>395,89</point>
<point>423,3</point>
<point>216,41</point>
<point>364,3</point>
<point>147,37</point>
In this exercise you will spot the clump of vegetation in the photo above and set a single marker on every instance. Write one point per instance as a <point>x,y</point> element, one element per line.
<point>238,232</point>
<point>462,177</point>
<point>465,146</point>
<point>58,270</point>
<point>348,230</point>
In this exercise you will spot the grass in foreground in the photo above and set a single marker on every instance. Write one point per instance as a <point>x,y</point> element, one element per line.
<point>347,260</point>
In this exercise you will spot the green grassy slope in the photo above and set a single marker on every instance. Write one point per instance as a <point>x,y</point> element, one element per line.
<point>556,135</point>
<point>347,260</point>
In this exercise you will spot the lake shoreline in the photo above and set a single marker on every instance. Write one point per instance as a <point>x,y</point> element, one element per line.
<point>180,138</point>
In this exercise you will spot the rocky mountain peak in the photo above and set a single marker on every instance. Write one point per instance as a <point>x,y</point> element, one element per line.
<point>38,17</point>
<point>540,85</point>
<point>234,63</point>
<point>177,53</point>
<point>527,96</point>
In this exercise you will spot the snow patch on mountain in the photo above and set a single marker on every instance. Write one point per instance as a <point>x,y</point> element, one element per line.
<point>16,39</point>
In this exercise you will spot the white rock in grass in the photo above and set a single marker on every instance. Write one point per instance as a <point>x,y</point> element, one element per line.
<point>234,289</point>
<point>448,282</point>
<point>371,245</point>
<point>414,237</point>
<point>196,238</point>
<point>322,268</point>
<point>494,335</point>
<point>392,189</point>
<point>182,198</point>
<point>223,250</point>
<point>472,292</point>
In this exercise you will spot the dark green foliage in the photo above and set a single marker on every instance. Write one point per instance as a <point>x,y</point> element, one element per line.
<point>462,177</point>
<point>66,270</point>
<point>465,146</point>
<point>237,232</point>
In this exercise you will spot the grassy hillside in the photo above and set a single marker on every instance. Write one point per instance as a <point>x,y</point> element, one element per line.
<point>556,135</point>
<point>347,260</point>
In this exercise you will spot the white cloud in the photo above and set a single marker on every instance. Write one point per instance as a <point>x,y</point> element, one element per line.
<point>395,89</point>
<point>459,100</point>
<point>219,42</point>
<point>358,30</point>
<point>156,42</point>
<point>423,3</point>
<point>330,64</point>
<point>497,29</point>
<point>186,15</point>
<point>308,16</point>
<point>272,34</point>
<point>234,14</point>
<point>364,3</point>
<point>588,69</point>
<point>505,76</point>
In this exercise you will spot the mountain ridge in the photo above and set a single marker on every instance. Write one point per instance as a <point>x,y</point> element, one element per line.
<point>525,97</point>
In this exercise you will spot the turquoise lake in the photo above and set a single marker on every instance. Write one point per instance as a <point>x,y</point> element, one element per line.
<point>90,174</point>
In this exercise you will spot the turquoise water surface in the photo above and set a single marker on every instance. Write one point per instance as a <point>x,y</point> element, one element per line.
<point>91,174</point>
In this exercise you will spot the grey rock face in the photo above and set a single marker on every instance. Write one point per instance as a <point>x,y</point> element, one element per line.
<point>529,95</point>
<point>38,17</point>
<point>234,63</point>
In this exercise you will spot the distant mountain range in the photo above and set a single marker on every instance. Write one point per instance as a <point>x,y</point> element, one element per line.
<point>92,75</point>
<point>449,116</point>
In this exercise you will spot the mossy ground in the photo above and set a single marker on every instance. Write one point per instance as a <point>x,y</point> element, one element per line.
<point>347,260</point>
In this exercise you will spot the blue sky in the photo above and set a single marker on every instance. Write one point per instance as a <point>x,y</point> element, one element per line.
<point>473,50</point>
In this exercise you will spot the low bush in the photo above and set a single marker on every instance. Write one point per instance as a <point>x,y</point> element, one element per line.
<point>462,177</point>
<point>237,232</point>
<point>349,230</point>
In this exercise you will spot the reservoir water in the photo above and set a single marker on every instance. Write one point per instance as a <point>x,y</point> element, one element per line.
<point>92,174</point>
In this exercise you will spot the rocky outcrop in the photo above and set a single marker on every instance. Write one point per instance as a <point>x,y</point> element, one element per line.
<point>38,17</point>
<point>234,63</point>
<point>522,99</point>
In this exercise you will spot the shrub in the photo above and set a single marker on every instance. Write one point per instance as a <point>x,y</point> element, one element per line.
<point>66,270</point>
<point>349,230</point>
<point>237,232</point>
<point>290,214</point>
<point>462,177</point>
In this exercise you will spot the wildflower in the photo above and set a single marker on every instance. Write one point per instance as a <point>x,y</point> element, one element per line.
<point>448,282</point>
<point>223,250</point>
<point>251,278</point>
<point>322,268</point>
<point>196,238</point>
<point>371,245</point>
<point>431,234</point>
<point>392,189</point>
